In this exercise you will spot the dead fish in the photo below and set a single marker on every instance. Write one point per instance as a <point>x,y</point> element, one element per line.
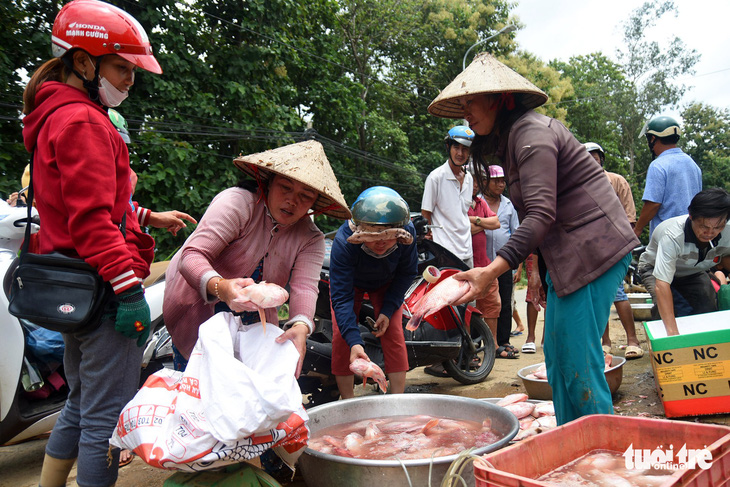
<point>366,369</point>
<point>260,296</point>
<point>526,433</point>
<point>512,398</point>
<point>520,409</point>
<point>443,294</point>
<point>544,409</point>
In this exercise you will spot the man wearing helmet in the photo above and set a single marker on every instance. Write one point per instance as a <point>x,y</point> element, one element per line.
<point>373,253</point>
<point>97,49</point>
<point>447,196</point>
<point>621,301</point>
<point>673,177</point>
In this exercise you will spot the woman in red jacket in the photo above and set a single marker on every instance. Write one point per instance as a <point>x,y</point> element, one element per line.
<point>81,176</point>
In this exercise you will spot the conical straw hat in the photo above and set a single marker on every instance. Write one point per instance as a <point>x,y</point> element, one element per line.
<point>485,75</point>
<point>305,162</point>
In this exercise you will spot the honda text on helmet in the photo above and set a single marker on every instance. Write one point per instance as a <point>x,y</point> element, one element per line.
<point>662,127</point>
<point>100,29</point>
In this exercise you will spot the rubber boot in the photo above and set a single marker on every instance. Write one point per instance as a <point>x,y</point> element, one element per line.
<point>55,472</point>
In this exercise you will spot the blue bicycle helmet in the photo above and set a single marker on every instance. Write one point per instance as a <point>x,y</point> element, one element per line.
<point>380,205</point>
<point>461,134</point>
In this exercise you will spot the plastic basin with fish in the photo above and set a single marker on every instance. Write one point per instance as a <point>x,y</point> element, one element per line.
<point>540,389</point>
<point>325,470</point>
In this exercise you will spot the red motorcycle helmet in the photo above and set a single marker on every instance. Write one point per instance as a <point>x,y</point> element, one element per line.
<point>100,29</point>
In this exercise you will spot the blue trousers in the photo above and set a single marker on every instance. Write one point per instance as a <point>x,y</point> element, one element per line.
<point>102,370</point>
<point>574,325</point>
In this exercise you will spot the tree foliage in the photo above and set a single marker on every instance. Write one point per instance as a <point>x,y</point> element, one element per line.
<point>358,75</point>
<point>707,141</point>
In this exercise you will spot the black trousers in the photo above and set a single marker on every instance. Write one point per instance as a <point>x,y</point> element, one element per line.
<point>504,323</point>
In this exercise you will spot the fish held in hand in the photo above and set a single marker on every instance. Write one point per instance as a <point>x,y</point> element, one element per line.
<point>260,296</point>
<point>366,369</point>
<point>443,294</point>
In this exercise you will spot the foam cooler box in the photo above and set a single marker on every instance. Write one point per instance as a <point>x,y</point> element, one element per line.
<point>692,369</point>
<point>523,462</point>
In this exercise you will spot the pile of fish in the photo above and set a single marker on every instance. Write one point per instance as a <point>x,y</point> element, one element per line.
<point>541,372</point>
<point>604,468</point>
<point>403,437</point>
<point>534,418</point>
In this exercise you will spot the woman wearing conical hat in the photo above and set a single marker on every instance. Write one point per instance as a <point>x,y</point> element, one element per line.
<point>569,214</point>
<point>257,231</point>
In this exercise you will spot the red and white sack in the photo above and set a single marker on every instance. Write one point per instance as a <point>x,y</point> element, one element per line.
<point>237,397</point>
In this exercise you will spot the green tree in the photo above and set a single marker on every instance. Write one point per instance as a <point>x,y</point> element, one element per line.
<point>706,139</point>
<point>652,69</point>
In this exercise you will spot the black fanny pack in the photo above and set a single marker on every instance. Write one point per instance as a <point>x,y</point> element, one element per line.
<point>58,292</point>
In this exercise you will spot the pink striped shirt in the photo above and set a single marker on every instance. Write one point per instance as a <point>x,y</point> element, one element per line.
<point>235,233</point>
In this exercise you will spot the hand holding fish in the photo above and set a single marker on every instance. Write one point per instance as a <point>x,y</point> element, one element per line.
<point>480,278</point>
<point>247,295</point>
<point>367,369</point>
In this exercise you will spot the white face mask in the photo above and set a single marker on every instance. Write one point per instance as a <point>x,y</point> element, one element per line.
<point>109,95</point>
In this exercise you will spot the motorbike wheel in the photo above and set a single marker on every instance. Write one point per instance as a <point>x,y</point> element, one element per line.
<point>472,368</point>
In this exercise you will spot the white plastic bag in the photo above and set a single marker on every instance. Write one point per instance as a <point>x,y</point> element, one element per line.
<point>221,410</point>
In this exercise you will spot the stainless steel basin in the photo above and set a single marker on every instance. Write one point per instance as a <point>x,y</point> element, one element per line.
<point>325,470</point>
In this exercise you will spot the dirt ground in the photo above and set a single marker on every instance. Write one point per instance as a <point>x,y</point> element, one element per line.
<point>20,464</point>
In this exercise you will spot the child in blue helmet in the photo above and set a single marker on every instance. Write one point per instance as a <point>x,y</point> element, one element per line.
<point>373,253</point>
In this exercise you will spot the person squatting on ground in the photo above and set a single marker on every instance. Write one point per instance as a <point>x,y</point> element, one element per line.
<point>621,302</point>
<point>68,131</point>
<point>674,268</point>
<point>673,177</point>
<point>258,231</point>
<point>570,214</point>
<point>374,253</point>
<point>509,222</point>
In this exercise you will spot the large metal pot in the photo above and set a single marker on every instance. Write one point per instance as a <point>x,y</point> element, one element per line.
<point>325,470</point>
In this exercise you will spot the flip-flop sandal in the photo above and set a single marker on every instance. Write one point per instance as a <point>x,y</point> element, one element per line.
<point>512,348</point>
<point>126,461</point>
<point>529,347</point>
<point>510,353</point>
<point>437,371</point>
<point>515,333</point>
<point>633,352</point>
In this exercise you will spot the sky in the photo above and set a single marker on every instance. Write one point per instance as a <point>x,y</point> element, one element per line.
<point>559,29</point>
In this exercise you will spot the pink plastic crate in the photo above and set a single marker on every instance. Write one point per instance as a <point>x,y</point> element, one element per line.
<point>520,464</point>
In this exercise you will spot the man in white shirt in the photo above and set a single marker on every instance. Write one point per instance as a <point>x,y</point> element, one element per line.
<point>681,251</point>
<point>447,196</point>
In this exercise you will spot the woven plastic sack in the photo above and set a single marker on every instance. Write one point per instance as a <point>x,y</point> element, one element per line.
<point>237,398</point>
